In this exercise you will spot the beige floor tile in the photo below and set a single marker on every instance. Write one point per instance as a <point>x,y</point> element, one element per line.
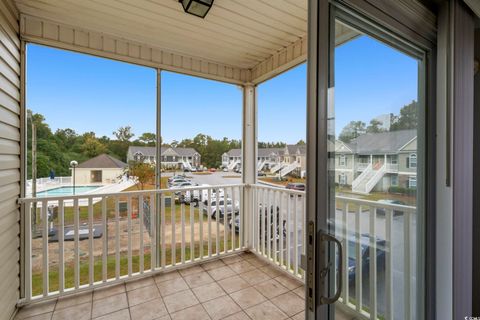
<point>143,294</point>
<point>265,311</point>
<point>73,300</point>
<point>258,262</point>
<point>289,282</point>
<point>198,279</point>
<point>221,273</point>
<point>271,271</point>
<point>247,297</point>
<point>162,277</point>
<point>208,292</point>
<point>290,303</point>
<point>123,314</point>
<point>232,284</point>
<point>238,316</point>
<point>78,312</point>
<point>246,255</point>
<point>109,305</point>
<point>300,291</point>
<point>300,316</point>
<point>43,316</point>
<point>148,310</point>
<point>172,286</point>
<point>232,259</point>
<point>255,276</point>
<point>180,300</point>
<point>196,312</point>
<point>241,266</point>
<point>191,270</point>
<point>108,291</point>
<point>271,288</point>
<point>221,307</point>
<point>212,264</point>
<point>36,309</point>
<point>135,284</point>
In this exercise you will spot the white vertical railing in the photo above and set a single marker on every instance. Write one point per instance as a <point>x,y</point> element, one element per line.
<point>374,241</point>
<point>101,230</point>
<point>278,220</point>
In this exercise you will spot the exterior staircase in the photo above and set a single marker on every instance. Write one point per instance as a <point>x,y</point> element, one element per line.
<point>233,164</point>
<point>289,168</point>
<point>186,165</point>
<point>277,167</point>
<point>367,180</point>
<point>261,164</point>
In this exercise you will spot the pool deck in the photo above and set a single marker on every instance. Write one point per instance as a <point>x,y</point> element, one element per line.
<point>109,188</point>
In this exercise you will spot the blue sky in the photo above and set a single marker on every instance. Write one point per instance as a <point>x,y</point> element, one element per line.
<point>88,93</point>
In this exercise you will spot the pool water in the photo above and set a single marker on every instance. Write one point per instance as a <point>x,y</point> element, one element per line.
<point>66,191</point>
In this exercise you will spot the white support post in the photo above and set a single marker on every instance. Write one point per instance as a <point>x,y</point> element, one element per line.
<point>249,161</point>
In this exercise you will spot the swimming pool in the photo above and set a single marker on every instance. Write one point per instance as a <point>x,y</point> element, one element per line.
<point>66,191</point>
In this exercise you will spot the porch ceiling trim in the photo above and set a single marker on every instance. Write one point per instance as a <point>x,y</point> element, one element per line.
<point>55,34</point>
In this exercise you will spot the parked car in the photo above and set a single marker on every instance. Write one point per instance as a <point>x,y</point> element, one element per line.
<point>194,169</point>
<point>221,207</point>
<point>382,211</point>
<point>296,186</point>
<point>274,234</point>
<point>225,169</point>
<point>177,182</point>
<point>234,223</point>
<point>178,177</point>
<point>213,195</point>
<point>195,195</point>
<point>365,256</point>
<point>212,170</point>
<point>261,174</point>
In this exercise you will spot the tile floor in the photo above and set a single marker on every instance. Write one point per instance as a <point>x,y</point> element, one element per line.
<point>235,287</point>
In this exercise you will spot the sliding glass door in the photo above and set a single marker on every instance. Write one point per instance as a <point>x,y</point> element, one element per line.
<point>373,230</point>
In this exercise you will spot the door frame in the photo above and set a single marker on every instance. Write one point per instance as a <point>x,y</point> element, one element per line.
<point>414,24</point>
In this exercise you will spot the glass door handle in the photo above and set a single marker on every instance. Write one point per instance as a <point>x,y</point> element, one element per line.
<point>330,300</point>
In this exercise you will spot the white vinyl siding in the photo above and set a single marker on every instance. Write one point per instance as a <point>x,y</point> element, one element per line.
<point>9,158</point>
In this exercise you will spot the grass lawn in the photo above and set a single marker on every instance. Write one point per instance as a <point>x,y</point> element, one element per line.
<point>37,280</point>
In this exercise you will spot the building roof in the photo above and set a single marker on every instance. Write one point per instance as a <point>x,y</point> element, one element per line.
<point>234,152</point>
<point>265,152</point>
<point>151,151</point>
<point>384,142</point>
<point>103,161</point>
<point>297,149</point>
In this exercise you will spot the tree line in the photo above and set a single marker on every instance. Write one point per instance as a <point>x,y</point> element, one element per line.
<point>407,119</point>
<point>56,149</point>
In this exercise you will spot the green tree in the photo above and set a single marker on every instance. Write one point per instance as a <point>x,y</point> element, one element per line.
<point>352,130</point>
<point>143,173</point>
<point>148,138</point>
<point>375,126</point>
<point>91,147</point>
<point>301,143</point>
<point>124,134</point>
<point>408,118</point>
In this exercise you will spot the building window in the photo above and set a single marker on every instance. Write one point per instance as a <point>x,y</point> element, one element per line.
<point>343,160</point>
<point>412,161</point>
<point>394,160</point>
<point>394,181</point>
<point>412,182</point>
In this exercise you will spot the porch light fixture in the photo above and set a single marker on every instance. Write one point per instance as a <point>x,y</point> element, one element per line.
<point>198,8</point>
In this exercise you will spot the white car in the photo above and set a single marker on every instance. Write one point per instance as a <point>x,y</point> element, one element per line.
<point>195,195</point>
<point>225,169</point>
<point>221,207</point>
<point>177,182</point>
